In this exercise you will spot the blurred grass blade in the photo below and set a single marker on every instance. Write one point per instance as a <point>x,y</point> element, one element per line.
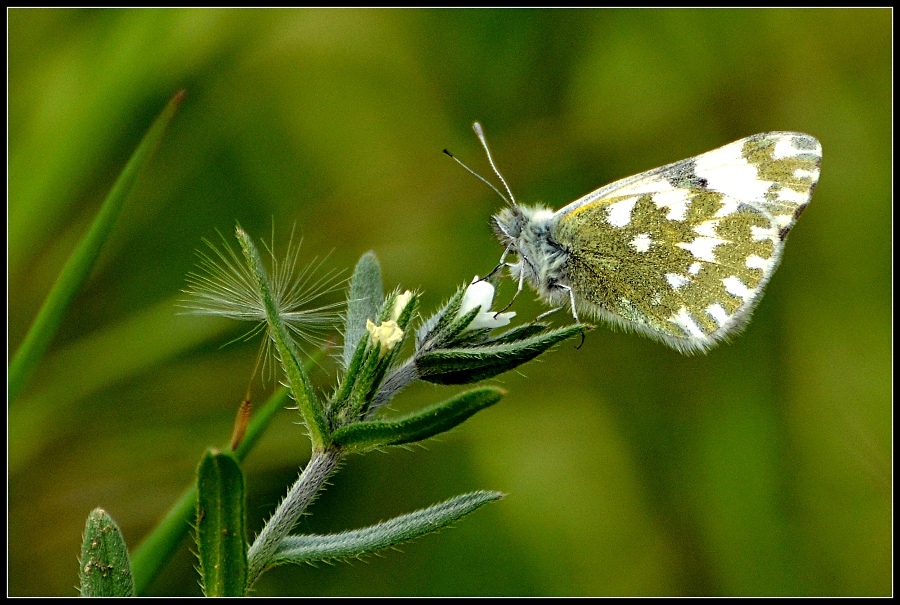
<point>80,369</point>
<point>78,267</point>
<point>422,424</point>
<point>105,569</point>
<point>159,546</point>
<point>221,526</point>
<point>348,544</point>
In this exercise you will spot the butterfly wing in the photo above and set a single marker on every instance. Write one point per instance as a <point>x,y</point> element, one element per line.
<point>682,252</point>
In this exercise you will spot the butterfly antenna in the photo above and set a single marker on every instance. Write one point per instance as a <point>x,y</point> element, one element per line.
<point>479,177</point>
<point>479,132</point>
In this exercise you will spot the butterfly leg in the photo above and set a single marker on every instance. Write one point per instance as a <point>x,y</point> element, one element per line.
<point>521,285</point>
<point>547,314</point>
<point>571,301</point>
<point>499,266</point>
<point>574,313</point>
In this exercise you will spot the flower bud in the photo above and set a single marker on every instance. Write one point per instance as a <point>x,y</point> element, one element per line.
<point>385,335</point>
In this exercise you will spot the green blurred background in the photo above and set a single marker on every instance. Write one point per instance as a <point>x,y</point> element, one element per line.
<point>763,468</point>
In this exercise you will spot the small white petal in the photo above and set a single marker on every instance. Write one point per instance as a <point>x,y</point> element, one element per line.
<point>490,319</point>
<point>478,294</point>
<point>400,303</point>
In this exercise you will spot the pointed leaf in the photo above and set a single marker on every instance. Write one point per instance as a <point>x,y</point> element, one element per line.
<point>519,333</point>
<point>159,546</point>
<point>457,331</point>
<point>221,542</point>
<point>105,567</point>
<point>363,302</point>
<point>467,365</point>
<point>78,267</point>
<point>424,423</point>
<point>441,320</point>
<point>304,549</point>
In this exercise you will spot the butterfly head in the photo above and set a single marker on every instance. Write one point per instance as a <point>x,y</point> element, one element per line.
<point>508,225</point>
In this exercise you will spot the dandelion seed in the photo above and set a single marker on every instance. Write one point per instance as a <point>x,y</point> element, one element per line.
<point>224,285</point>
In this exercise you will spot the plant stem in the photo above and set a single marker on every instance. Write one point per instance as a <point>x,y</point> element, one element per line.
<point>320,466</point>
<point>301,388</point>
<point>393,384</point>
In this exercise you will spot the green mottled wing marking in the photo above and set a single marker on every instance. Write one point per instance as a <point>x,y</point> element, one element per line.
<point>683,252</point>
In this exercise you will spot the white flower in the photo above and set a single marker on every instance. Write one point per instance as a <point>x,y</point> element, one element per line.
<point>386,335</point>
<point>481,294</point>
<point>400,303</point>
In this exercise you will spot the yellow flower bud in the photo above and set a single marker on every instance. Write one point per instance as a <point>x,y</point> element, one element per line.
<point>386,335</point>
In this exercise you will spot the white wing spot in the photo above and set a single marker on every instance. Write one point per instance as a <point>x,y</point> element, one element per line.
<point>707,229</point>
<point>677,201</point>
<point>760,234</point>
<point>677,280</point>
<point>785,194</point>
<point>718,313</point>
<point>783,220</point>
<point>784,148</point>
<point>619,213</point>
<point>683,320</point>
<point>694,269</point>
<point>726,171</point>
<point>642,242</point>
<point>736,287</point>
<point>703,248</point>
<point>729,207</point>
<point>755,261</point>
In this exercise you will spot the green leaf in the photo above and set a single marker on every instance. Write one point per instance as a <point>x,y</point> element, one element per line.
<point>221,526</point>
<point>78,266</point>
<point>440,321</point>
<point>424,423</point>
<point>159,546</point>
<point>518,333</point>
<point>467,365</point>
<point>457,331</point>
<point>356,543</point>
<point>371,372</point>
<point>301,388</point>
<point>105,568</point>
<point>338,405</point>
<point>363,302</point>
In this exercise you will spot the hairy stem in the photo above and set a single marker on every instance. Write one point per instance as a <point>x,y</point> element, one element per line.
<point>393,384</point>
<point>320,466</point>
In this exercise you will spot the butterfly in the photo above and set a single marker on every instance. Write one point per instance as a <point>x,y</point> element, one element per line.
<point>680,253</point>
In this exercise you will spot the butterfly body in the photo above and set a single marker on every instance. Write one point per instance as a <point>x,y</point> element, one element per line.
<point>680,253</point>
